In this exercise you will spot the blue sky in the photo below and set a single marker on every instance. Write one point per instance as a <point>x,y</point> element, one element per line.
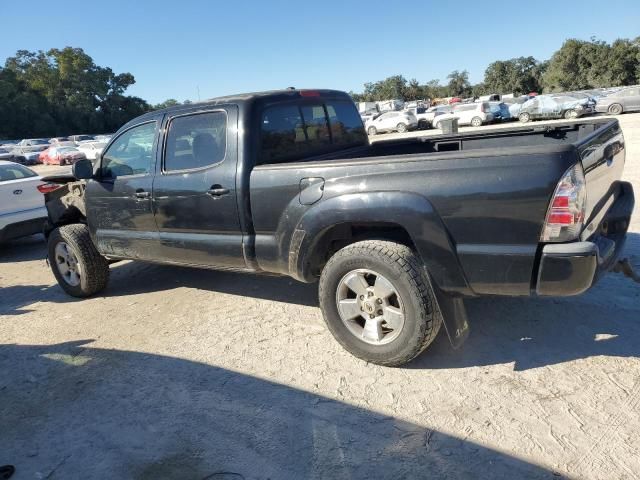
<point>175,47</point>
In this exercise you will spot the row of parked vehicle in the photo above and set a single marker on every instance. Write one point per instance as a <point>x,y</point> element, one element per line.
<point>53,151</point>
<point>569,105</point>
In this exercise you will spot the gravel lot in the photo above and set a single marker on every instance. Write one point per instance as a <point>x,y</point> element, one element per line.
<point>186,374</point>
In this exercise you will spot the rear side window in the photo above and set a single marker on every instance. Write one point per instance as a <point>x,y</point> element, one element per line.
<point>295,131</point>
<point>14,172</point>
<point>196,141</point>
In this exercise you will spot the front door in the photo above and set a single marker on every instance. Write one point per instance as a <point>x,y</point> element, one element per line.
<point>118,199</point>
<point>194,189</point>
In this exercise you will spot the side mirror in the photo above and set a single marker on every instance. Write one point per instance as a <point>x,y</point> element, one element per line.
<point>82,169</point>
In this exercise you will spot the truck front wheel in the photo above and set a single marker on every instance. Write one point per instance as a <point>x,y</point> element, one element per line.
<point>377,302</point>
<point>78,267</point>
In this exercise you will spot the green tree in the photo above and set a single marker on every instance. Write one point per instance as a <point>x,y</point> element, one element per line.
<point>517,75</point>
<point>62,91</point>
<point>459,84</point>
<point>171,102</point>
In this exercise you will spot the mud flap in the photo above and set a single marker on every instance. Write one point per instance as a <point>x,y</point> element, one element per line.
<point>454,317</point>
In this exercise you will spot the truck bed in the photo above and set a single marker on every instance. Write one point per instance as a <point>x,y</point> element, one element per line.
<point>491,191</point>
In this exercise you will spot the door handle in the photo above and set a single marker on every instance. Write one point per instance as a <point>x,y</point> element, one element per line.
<point>217,191</point>
<point>142,194</point>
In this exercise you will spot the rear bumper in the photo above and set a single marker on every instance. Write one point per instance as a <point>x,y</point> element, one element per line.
<point>572,268</point>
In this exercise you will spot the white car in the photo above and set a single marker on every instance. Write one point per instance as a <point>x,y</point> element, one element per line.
<point>474,114</point>
<point>22,210</point>
<point>91,149</point>
<point>392,122</point>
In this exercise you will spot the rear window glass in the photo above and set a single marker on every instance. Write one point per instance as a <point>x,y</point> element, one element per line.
<point>295,131</point>
<point>14,172</point>
<point>196,141</point>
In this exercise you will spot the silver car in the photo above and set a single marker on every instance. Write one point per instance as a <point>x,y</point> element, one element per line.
<point>625,100</point>
<point>392,122</point>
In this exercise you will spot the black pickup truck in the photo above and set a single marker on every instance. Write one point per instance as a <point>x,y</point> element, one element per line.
<point>397,232</point>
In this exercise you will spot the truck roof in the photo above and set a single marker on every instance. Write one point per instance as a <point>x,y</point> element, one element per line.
<point>241,98</point>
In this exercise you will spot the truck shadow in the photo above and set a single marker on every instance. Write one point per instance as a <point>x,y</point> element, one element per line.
<point>131,278</point>
<point>85,412</point>
<point>23,249</point>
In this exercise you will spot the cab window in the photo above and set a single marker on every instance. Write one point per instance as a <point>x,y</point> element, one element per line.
<point>130,153</point>
<point>196,141</point>
<point>292,132</point>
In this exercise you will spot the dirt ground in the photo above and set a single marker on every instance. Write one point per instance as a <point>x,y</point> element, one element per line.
<point>186,374</point>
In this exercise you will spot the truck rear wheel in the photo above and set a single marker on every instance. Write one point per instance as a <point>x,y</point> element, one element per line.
<point>377,302</point>
<point>78,267</point>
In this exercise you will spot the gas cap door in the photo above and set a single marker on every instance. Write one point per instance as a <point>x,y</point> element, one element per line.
<point>311,190</point>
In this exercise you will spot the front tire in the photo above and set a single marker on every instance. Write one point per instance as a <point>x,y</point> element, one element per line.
<point>377,302</point>
<point>524,117</point>
<point>570,114</point>
<point>78,267</point>
<point>372,131</point>
<point>615,109</point>
<point>401,128</point>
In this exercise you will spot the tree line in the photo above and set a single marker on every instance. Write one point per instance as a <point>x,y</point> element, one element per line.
<point>577,65</point>
<point>62,91</point>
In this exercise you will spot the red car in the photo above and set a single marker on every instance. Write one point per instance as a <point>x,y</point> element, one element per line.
<point>61,156</point>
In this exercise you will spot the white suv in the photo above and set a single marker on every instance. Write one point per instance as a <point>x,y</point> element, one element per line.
<point>392,122</point>
<point>474,114</point>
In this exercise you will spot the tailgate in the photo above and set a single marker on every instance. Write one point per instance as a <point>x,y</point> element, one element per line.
<point>602,155</point>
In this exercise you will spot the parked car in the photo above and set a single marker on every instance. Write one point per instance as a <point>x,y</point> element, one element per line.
<point>474,114</point>
<point>423,115</point>
<point>81,138</point>
<point>625,100</point>
<point>59,140</point>
<point>433,112</point>
<point>5,154</point>
<point>397,232</point>
<point>91,149</point>
<point>27,151</point>
<point>22,210</point>
<point>500,111</point>
<point>549,107</point>
<point>63,156</point>
<point>392,122</point>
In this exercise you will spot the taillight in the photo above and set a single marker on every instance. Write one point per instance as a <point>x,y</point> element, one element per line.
<point>48,187</point>
<point>567,208</point>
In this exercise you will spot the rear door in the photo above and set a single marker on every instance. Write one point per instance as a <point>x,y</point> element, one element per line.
<point>195,199</point>
<point>18,189</point>
<point>118,200</point>
<point>632,99</point>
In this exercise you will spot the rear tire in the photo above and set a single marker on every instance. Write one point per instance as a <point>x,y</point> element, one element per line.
<point>372,131</point>
<point>405,320</point>
<point>615,109</point>
<point>524,117</point>
<point>78,267</point>
<point>401,127</point>
<point>476,122</point>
